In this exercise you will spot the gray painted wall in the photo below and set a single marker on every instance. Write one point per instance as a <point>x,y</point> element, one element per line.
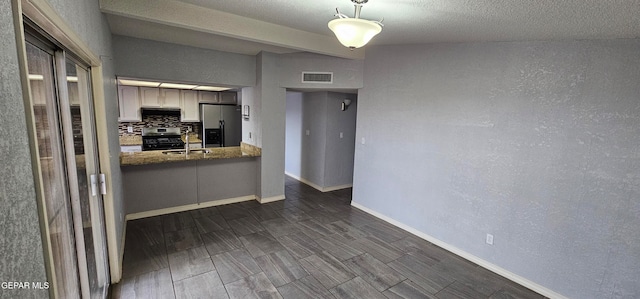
<point>339,152</point>
<point>293,133</point>
<point>535,142</point>
<point>21,253</point>
<point>347,73</point>
<point>251,128</point>
<point>148,59</point>
<point>87,21</point>
<point>322,157</point>
<point>314,145</point>
<point>272,101</point>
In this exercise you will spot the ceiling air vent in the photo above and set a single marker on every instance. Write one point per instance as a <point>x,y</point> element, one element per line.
<point>317,77</point>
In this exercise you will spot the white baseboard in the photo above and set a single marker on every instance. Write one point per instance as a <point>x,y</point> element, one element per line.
<point>468,256</point>
<point>270,199</point>
<point>317,187</point>
<point>334,188</point>
<point>190,207</point>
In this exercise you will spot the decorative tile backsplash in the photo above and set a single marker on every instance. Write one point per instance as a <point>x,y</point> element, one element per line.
<point>148,121</point>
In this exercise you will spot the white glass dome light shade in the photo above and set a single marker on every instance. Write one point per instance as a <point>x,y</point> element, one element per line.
<point>354,33</point>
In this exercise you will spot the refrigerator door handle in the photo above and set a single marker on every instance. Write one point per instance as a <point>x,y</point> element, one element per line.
<point>222,133</point>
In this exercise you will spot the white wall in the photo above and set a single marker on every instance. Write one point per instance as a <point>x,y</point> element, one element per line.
<point>535,142</point>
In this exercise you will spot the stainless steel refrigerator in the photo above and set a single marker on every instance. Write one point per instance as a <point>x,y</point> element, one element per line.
<point>221,125</point>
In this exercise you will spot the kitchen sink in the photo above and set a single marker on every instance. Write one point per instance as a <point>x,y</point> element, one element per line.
<point>193,151</point>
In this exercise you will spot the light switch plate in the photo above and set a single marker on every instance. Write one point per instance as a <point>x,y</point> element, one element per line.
<point>489,239</point>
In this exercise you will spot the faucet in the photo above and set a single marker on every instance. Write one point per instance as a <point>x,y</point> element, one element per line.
<point>187,150</point>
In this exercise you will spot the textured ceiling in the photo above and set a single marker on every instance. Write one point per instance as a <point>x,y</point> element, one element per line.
<point>406,21</point>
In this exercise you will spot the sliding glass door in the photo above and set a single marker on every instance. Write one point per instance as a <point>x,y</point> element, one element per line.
<point>62,105</point>
<point>82,134</point>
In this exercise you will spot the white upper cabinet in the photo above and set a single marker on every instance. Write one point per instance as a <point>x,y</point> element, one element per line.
<point>152,97</point>
<point>213,97</point>
<point>129,103</point>
<point>208,97</point>
<point>171,98</point>
<point>189,106</point>
<point>228,98</point>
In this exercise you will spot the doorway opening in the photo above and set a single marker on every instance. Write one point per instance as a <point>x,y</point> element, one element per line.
<point>320,138</point>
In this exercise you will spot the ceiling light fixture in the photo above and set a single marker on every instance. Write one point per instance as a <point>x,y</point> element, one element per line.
<point>177,86</point>
<point>354,32</point>
<point>129,82</point>
<point>210,88</point>
<point>144,83</point>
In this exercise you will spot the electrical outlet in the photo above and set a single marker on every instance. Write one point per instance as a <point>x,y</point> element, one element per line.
<point>308,132</point>
<point>190,128</point>
<point>489,239</point>
<point>363,141</point>
<point>130,129</point>
<point>341,135</point>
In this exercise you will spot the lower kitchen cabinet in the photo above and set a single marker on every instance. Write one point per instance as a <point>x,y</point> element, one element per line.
<point>178,184</point>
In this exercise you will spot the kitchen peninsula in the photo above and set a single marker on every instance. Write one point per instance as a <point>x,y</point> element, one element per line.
<point>157,183</point>
<point>156,157</point>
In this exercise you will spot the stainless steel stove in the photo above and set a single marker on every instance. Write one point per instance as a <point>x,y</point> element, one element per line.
<point>157,138</point>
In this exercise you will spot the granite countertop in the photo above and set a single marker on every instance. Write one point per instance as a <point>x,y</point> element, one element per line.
<point>193,138</point>
<point>157,157</point>
<point>131,140</point>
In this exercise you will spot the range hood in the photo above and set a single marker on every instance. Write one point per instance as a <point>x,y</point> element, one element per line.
<point>160,111</point>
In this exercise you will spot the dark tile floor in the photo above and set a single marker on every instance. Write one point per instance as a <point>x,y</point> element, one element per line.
<point>311,245</point>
